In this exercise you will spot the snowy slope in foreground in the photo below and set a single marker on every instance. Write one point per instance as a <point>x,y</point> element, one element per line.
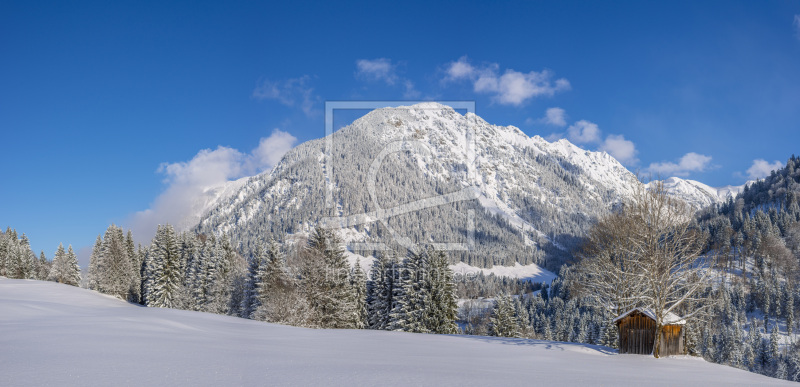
<point>53,334</point>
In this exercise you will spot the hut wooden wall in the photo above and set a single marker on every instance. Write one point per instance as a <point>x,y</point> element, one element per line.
<point>671,340</point>
<point>637,334</point>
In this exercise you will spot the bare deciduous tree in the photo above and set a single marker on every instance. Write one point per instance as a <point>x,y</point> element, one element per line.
<point>648,255</point>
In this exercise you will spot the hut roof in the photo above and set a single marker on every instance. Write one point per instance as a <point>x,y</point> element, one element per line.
<point>669,319</point>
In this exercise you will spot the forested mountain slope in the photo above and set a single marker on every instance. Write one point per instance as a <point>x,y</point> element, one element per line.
<point>437,174</point>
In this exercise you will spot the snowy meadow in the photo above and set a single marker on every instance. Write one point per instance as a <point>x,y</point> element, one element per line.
<point>57,334</point>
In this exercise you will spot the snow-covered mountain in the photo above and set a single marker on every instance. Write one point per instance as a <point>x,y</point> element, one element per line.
<point>697,194</point>
<point>426,174</point>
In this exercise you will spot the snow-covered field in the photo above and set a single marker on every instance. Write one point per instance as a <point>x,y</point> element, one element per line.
<point>53,334</point>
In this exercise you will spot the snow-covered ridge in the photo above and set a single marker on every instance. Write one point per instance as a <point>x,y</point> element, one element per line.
<point>697,194</point>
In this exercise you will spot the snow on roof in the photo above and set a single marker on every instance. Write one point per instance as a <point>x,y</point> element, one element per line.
<point>669,319</point>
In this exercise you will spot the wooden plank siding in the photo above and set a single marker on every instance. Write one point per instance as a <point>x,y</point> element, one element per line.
<point>637,334</point>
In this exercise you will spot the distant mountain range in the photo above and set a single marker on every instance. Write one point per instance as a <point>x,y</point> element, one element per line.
<point>697,194</point>
<point>425,175</point>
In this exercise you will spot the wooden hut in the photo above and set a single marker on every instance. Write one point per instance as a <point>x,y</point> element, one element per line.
<point>637,329</point>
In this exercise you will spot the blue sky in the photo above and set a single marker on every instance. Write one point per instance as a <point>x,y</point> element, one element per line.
<point>106,107</point>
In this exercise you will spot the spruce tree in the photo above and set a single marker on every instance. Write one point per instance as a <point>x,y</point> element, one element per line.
<point>4,246</point>
<point>59,263</point>
<point>165,270</point>
<point>358,281</point>
<point>326,281</point>
<point>65,267</point>
<point>250,300</point>
<point>73,270</point>
<point>42,267</point>
<point>379,293</point>
<point>95,264</point>
<point>443,307</point>
<point>115,278</point>
<point>774,352</point>
<point>397,317</point>
<point>27,259</point>
<point>134,271</point>
<point>226,267</point>
<point>502,321</point>
<point>416,296</point>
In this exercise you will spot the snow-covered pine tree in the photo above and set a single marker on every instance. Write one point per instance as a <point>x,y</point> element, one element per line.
<point>250,300</point>
<point>194,252</point>
<point>774,355</point>
<point>412,317</point>
<point>134,284</point>
<point>43,267</point>
<point>358,281</point>
<point>141,254</point>
<point>502,321</point>
<point>279,300</point>
<point>27,259</point>
<point>610,335</point>
<point>95,264</point>
<point>226,266</point>
<point>443,308</point>
<point>3,253</point>
<point>115,278</point>
<point>379,293</point>
<point>165,270</point>
<point>73,270</point>
<point>267,279</point>
<point>789,299</point>
<point>734,347</point>
<point>65,268</point>
<point>59,263</point>
<point>326,281</point>
<point>749,349</point>
<point>523,319</point>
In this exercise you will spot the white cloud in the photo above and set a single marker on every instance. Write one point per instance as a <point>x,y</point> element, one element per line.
<point>690,162</point>
<point>410,92</point>
<point>270,150</point>
<point>187,181</point>
<point>797,26</point>
<point>510,88</point>
<point>291,92</point>
<point>621,149</point>
<point>460,69</point>
<point>383,70</point>
<point>380,69</point>
<point>584,132</point>
<point>761,168</point>
<point>555,116</point>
